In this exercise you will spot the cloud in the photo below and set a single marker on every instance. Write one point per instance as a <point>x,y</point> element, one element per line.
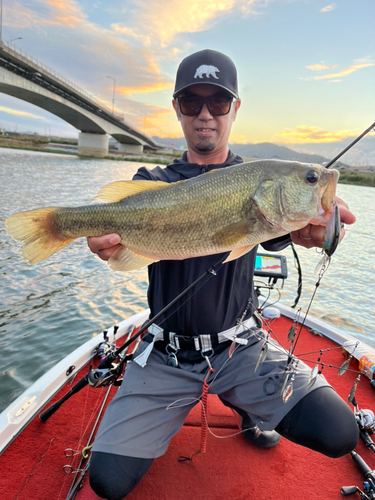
<point>320,66</point>
<point>304,133</point>
<point>16,112</point>
<point>146,88</point>
<point>358,64</point>
<point>328,8</point>
<point>64,12</point>
<point>87,48</point>
<point>238,139</point>
<point>167,18</point>
<point>43,13</point>
<point>158,121</point>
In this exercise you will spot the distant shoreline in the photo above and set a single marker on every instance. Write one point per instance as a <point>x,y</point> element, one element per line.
<point>24,146</point>
<point>346,177</point>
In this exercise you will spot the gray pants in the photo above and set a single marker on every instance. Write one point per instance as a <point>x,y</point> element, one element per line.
<point>153,402</point>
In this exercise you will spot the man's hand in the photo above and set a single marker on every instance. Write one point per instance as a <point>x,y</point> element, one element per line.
<point>104,246</point>
<point>313,236</point>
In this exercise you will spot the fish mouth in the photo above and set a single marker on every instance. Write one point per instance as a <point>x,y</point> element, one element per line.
<point>328,197</point>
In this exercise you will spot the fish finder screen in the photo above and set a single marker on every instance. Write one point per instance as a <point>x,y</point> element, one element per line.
<point>272,266</point>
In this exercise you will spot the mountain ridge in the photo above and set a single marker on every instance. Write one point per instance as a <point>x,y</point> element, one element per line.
<point>261,151</point>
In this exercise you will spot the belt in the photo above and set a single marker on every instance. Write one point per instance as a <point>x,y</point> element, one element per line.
<point>202,343</point>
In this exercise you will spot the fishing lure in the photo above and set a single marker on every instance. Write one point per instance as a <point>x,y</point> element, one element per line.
<point>262,355</point>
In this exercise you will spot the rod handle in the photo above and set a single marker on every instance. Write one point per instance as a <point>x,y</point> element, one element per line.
<point>361,464</point>
<point>348,490</point>
<point>55,406</point>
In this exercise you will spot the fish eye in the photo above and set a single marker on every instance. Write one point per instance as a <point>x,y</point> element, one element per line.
<point>312,177</point>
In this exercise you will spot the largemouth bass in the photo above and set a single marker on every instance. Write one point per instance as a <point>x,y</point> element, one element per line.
<point>228,209</point>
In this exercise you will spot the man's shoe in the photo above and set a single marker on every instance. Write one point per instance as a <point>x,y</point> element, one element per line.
<point>263,439</point>
<point>252,433</point>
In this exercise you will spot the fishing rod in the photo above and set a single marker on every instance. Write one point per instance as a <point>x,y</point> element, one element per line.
<point>212,271</point>
<point>107,373</point>
<point>330,163</point>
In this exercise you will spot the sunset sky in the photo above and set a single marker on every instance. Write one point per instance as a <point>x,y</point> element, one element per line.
<point>306,67</point>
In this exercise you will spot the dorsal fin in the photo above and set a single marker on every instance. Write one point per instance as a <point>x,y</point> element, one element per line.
<point>119,190</point>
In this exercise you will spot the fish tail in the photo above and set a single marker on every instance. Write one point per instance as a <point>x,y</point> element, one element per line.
<point>38,232</point>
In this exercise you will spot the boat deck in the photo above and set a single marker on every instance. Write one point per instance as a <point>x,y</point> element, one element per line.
<point>231,468</point>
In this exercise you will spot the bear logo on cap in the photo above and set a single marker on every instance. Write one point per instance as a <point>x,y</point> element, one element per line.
<point>208,70</point>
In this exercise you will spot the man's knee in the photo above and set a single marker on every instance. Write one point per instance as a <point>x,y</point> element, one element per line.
<point>114,476</point>
<point>323,422</point>
<point>342,437</point>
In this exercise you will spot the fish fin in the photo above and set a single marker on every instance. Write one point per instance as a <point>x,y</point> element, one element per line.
<point>37,231</point>
<point>125,260</point>
<point>238,252</point>
<point>117,191</point>
<point>230,235</point>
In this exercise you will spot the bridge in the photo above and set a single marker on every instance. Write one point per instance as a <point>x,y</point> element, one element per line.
<point>24,77</point>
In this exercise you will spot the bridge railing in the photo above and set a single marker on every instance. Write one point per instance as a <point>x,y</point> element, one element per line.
<point>51,71</point>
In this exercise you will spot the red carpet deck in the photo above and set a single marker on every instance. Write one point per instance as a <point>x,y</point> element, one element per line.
<point>231,469</point>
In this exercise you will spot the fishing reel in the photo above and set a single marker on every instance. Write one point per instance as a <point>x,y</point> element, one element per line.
<point>366,423</point>
<point>103,349</point>
<point>103,377</point>
<point>366,420</point>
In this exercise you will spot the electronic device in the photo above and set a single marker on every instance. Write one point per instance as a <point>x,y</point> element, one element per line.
<point>270,266</point>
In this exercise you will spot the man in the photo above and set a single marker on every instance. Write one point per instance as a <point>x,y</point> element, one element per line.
<point>173,359</point>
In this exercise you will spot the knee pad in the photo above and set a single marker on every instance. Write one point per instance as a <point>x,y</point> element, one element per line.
<point>114,476</point>
<point>323,422</point>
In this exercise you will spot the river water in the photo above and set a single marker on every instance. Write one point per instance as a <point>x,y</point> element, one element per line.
<point>49,309</point>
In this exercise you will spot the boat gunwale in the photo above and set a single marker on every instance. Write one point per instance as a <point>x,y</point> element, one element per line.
<point>51,382</point>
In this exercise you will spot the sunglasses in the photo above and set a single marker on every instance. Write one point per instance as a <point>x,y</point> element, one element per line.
<point>217,104</point>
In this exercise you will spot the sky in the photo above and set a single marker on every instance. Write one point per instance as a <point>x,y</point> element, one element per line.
<point>306,68</point>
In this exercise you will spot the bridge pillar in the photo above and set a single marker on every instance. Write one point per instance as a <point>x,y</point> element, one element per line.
<point>92,144</point>
<point>130,148</point>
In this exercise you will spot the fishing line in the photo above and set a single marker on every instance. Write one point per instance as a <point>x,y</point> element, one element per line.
<point>325,350</point>
<point>74,485</point>
<point>328,366</point>
<point>35,466</point>
<point>242,431</point>
<point>173,405</point>
<point>317,284</point>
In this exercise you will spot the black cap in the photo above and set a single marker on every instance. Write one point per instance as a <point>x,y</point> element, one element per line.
<point>207,66</point>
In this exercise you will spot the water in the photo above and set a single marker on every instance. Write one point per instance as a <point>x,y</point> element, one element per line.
<point>48,310</point>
